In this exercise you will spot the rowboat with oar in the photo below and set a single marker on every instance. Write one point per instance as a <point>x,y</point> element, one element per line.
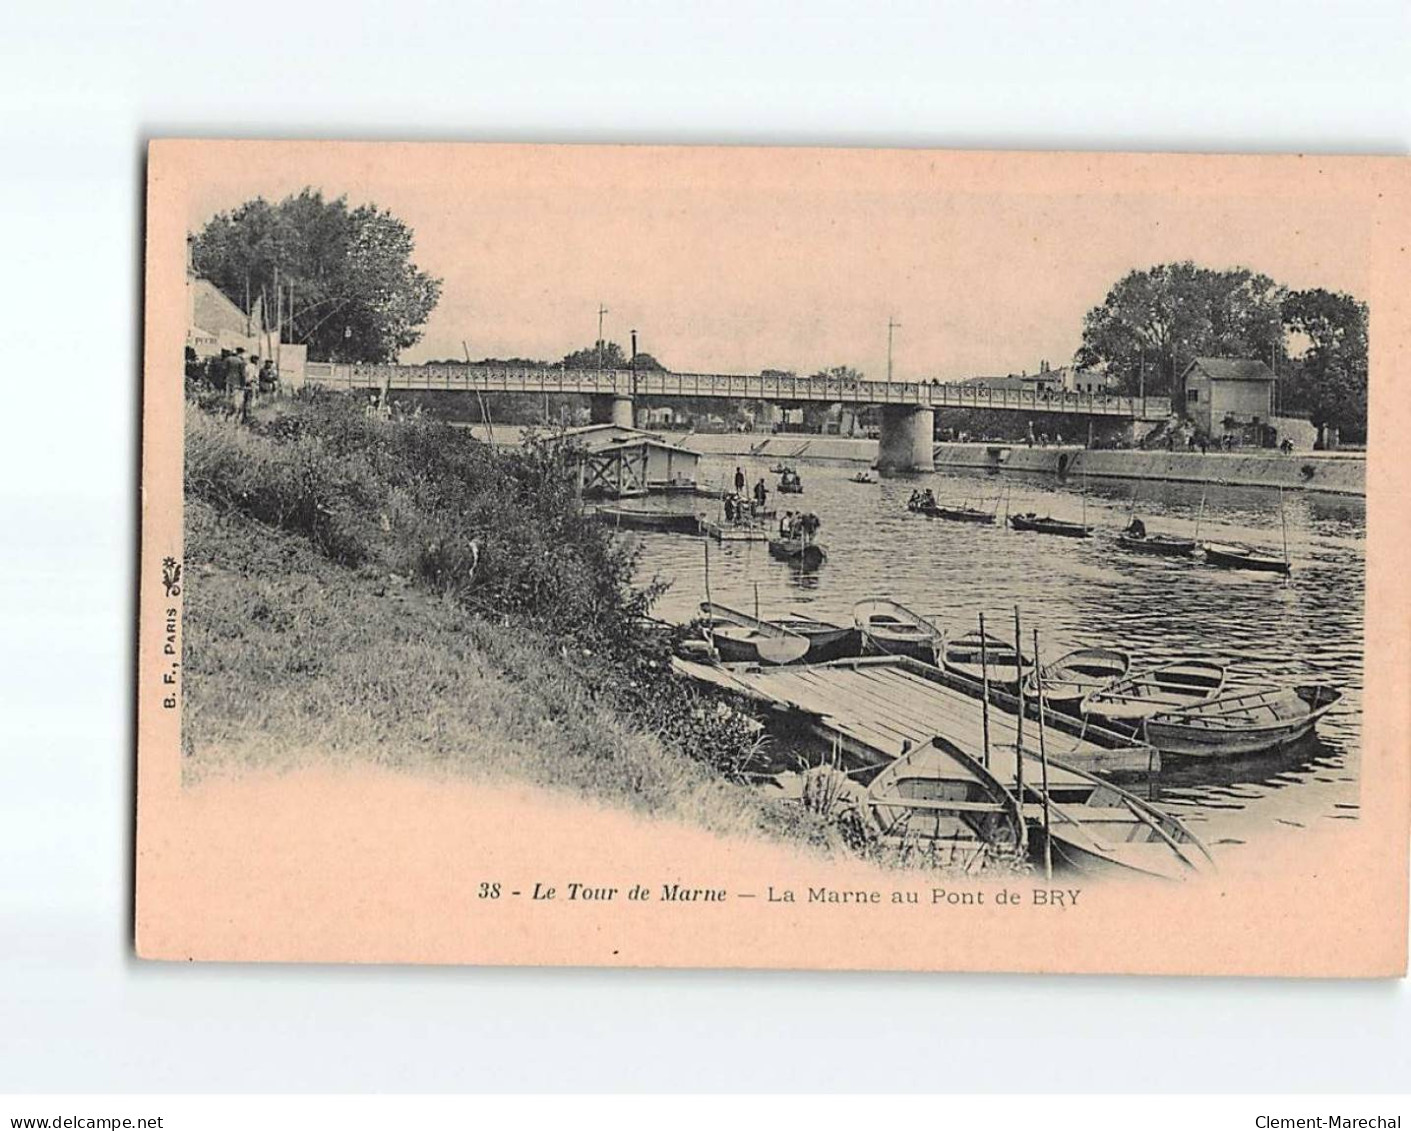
<point>1045,524</point>
<point>996,660</point>
<point>1072,677</point>
<point>821,640</point>
<point>1172,686</point>
<point>1236,555</point>
<point>1241,721</point>
<point>1111,832</point>
<point>937,796</point>
<point>891,629</point>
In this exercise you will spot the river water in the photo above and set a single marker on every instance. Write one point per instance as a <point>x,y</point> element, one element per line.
<point>1304,629</point>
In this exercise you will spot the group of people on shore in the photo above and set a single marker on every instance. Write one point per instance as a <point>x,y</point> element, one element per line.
<point>241,377</point>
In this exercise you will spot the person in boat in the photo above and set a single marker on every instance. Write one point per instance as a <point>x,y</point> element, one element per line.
<point>761,495</point>
<point>928,498</point>
<point>807,526</point>
<point>730,508</point>
<point>1136,528</point>
<point>915,501</point>
<point>739,481</point>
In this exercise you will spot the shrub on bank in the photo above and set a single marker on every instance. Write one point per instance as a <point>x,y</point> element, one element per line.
<point>498,531</point>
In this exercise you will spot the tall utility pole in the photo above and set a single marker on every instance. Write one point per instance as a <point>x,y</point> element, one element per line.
<point>601,311</point>
<point>892,324</point>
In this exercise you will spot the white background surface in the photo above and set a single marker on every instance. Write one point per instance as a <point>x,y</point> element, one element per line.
<point>82,87</point>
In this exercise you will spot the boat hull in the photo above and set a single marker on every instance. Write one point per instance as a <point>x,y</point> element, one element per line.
<point>1187,738</point>
<point>661,522</point>
<point>809,555</point>
<point>1228,558</point>
<point>1158,546</point>
<point>1053,526</point>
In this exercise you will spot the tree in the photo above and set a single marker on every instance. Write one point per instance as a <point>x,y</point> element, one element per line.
<point>646,363</point>
<point>346,274</point>
<point>1155,321</point>
<point>607,354</point>
<point>1329,379</point>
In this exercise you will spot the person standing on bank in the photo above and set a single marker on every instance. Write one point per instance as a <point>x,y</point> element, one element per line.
<point>234,380</point>
<point>739,481</point>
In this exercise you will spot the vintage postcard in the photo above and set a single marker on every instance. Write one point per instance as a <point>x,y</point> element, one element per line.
<point>781,558</point>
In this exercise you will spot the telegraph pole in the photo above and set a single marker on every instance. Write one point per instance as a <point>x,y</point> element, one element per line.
<point>892,325</point>
<point>601,311</point>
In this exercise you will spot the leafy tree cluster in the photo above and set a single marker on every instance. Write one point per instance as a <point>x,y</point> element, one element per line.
<point>1153,322</point>
<point>346,281</point>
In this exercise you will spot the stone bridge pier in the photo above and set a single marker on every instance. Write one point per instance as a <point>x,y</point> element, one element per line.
<point>610,408</point>
<point>907,442</point>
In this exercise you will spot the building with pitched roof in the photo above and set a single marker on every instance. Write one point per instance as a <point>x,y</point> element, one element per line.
<point>1225,396</point>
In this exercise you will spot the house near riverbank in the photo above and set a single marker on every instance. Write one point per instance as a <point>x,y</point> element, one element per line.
<point>622,463</point>
<point>215,322</point>
<point>1229,397</point>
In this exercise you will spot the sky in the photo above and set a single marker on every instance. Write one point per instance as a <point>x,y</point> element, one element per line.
<point>735,260</point>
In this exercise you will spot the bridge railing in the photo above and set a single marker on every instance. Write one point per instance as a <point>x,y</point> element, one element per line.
<point>776,388</point>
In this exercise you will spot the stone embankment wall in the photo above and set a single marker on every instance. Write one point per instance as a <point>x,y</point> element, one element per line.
<point>1334,473</point>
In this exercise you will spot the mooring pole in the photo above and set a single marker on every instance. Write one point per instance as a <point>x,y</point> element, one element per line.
<point>984,693</point>
<point>1043,762</point>
<point>706,544</point>
<point>1019,726</point>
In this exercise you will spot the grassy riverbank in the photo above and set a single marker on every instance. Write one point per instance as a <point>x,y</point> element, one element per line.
<point>361,592</point>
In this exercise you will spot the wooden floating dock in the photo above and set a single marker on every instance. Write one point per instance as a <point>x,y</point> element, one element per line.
<point>881,706</point>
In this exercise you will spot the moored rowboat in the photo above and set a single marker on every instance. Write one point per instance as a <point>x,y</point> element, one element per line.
<point>1077,674</point>
<point>666,522</point>
<point>1113,832</point>
<point>1166,545</point>
<point>893,629</point>
<point>1171,686</point>
<point>998,661</point>
<point>1044,524</point>
<point>822,641</point>
<point>937,795</point>
<point>1236,555</point>
<point>1241,721</point>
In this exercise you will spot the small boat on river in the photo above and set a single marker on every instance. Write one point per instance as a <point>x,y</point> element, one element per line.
<point>1044,524</point>
<point>1173,686</point>
<point>1112,832</point>
<point>892,629</point>
<point>779,469</point>
<point>924,502</point>
<point>1241,721</point>
<point>822,641</point>
<point>1236,555</point>
<point>1005,666</point>
<point>961,514</point>
<point>1165,545</point>
<point>861,477</point>
<point>659,521</point>
<point>937,796</point>
<point>790,483</point>
<point>803,552</point>
<point>735,531</point>
<point>1077,674</point>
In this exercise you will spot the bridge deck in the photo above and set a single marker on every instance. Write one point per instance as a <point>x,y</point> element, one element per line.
<point>780,390</point>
